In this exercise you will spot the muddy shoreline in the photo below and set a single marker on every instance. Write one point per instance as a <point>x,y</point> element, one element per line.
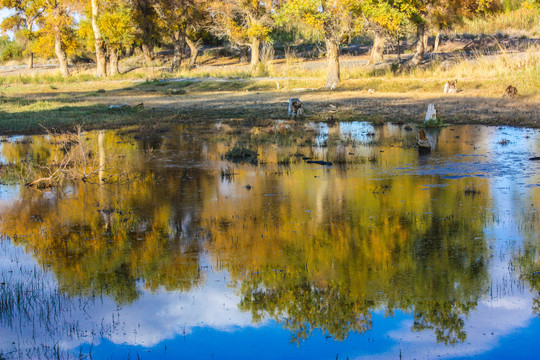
<point>93,112</point>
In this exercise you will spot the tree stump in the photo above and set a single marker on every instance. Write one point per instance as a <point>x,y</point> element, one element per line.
<point>431,113</point>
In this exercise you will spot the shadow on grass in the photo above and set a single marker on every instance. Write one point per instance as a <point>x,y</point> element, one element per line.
<point>189,100</point>
<point>95,116</point>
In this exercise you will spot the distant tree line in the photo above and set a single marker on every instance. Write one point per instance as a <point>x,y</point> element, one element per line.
<point>114,28</point>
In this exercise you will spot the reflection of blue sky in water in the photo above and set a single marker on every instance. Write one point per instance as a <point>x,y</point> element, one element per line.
<point>485,158</point>
<point>356,130</point>
<point>206,323</point>
<point>503,325</point>
<point>211,306</point>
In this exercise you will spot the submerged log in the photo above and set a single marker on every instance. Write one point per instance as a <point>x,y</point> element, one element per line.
<point>424,147</point>
<point>319,162</point>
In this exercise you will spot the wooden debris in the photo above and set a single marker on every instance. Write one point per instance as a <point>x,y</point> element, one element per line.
<point>319,162</point>
<point>431,113</point>
<point>424,146</point>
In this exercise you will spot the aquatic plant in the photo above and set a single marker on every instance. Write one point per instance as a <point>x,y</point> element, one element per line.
<point>240,153</point>
<point>433,124</point>
<point>471,190</point>
<point>226,172</point>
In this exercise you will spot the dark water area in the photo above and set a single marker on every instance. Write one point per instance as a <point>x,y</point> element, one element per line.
<point>168,251</point>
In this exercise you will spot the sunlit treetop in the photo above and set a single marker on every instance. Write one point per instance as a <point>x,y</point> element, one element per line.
<point>242,20</point>
<point>26,13</point>
<point>331,17</point>
<point>393,15</point>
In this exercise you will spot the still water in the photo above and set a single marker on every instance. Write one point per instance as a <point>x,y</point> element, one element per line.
<point>168,251</point>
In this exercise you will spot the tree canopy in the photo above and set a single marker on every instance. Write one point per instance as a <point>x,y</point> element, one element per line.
<point>111,28</point>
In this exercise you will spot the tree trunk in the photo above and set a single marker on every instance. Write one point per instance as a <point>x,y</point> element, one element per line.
<point>178,44</point>
<point>377,52</point>
<point>102,155</point>
<point>419,54</point>
<point>148,54</point>
<point>30,53</point>
<point>113,57</point>
<point>194,52</point>
<point>101,60</point>
<point>426,40</point>
<point>31,60</point>
<point>437,42</point>
<point>255,53</point>
<point>398,41</point>
<point>332,54</point>
<point>243,54</point>
<point>130,50</point>
<point>60,53</point>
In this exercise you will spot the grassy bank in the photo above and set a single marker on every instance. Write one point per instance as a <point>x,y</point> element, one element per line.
<point>226,93</point>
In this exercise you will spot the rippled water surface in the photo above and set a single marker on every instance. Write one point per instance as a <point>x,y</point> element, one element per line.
<point>167,250</point>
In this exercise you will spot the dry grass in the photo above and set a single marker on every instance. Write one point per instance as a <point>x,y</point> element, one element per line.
<point>230,92</point>
<point>523,21</point>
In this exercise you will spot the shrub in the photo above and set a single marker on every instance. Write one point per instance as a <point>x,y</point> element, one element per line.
<point>9,49</point>
<point>241,154</point>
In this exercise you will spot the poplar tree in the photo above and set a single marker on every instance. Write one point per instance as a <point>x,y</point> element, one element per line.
<point>334,19</point>
<point>56,34</point>
<point>26,14</point>
<point>243,22</point>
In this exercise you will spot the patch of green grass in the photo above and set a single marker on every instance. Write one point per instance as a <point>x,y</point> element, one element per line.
<point>433,124</point>
<point>22,116</point>
<point>243,154</point>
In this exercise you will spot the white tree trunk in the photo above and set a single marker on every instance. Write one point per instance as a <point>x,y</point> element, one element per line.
<point>332,54</point>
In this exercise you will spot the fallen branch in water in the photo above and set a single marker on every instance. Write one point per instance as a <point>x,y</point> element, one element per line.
<point>78,162</point>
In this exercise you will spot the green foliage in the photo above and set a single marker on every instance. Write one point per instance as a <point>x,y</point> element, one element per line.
<point>26,14</point>
<point>117,26</point>
<point>433,124</point>
<point>56,19</point>
<point>242,21</point>
<point>393,16</point>
<point>9,49</point>
<point>334,19</point>
<point>240,153</point>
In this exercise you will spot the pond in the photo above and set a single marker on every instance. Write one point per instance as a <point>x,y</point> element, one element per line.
<point>167,250</point>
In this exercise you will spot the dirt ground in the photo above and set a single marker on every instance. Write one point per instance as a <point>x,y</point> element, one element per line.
<point>341,105</point>
<point>219,99</point>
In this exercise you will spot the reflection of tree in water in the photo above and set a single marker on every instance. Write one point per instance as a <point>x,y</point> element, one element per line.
<point>303,306</point>
<point>527,260</point>
<point>443,247</point>
<point>529,263</point>
<point>104,239</point>
<point>444,317</point>
<point>328,271</point>
<point>322,256</point>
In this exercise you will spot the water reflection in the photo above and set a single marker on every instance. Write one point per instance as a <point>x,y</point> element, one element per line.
<point>321,251</point>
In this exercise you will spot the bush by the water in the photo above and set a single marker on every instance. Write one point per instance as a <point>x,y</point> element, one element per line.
<point>241,154</point>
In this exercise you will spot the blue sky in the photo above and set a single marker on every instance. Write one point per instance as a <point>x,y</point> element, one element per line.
<point>3,14</point>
